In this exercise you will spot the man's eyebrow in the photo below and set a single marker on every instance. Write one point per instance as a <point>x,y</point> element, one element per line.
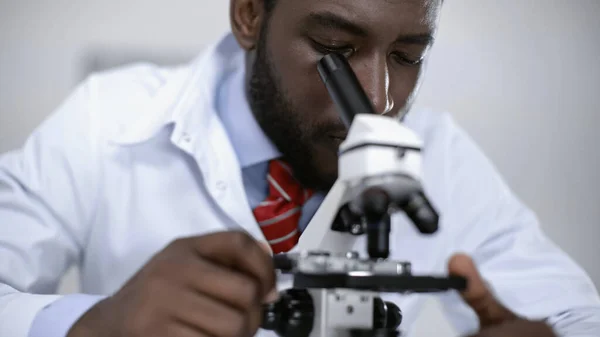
<point>334,21</point>
<point>420,39</point>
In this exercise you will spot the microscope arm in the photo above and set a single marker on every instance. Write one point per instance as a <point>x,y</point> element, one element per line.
<point>318,234</point>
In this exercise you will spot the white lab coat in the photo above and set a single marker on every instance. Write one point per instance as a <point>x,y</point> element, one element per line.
<point>138,157</point>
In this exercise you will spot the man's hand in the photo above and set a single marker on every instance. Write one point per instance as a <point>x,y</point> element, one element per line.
<point>495,319</point>
<point>212,285</point>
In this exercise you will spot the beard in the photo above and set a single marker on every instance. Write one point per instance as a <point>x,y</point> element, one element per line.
<point>294,136</point>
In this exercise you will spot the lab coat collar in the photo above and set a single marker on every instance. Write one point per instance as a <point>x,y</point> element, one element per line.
<point>187,105</point>
<point>187,100</point>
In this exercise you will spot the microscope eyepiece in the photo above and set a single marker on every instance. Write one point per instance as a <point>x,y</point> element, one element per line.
<point>344,87</point>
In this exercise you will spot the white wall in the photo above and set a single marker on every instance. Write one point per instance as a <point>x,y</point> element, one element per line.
<point>44,46</point>
<point>524,78</point>
<point>521,76</point>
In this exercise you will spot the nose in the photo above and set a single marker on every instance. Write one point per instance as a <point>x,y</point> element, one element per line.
<point>374,77</point>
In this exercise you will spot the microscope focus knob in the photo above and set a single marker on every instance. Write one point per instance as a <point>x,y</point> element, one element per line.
<point>387,318</point>
<point>386,315</point>
<point>291,316</point>
<point>394,316</point>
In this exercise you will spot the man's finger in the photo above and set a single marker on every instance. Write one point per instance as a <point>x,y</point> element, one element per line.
<point>518,327</point>
<point>273,295</point>
<point>477,295</point>
<point>266,247</point>
<point>238,250</point>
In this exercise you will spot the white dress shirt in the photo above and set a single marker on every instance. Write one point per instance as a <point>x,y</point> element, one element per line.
<point>140,156</point>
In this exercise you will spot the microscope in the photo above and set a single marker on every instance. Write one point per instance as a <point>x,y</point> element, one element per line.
<point>337,293</point>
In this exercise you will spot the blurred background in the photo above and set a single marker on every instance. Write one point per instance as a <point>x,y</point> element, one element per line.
<point>522,77</point>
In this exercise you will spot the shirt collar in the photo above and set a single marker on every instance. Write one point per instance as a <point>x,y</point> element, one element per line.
<point>249,141</point>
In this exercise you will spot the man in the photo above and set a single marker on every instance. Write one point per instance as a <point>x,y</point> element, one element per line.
<point>158,184</point>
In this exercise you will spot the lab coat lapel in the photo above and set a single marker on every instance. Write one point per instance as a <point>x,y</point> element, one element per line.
<point>207,140</point>
<point>226,176</point>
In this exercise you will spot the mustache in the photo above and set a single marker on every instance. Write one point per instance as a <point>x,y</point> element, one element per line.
<point>328,128</point>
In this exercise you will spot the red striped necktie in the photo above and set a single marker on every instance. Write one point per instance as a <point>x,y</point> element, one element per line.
<point>278,215</point>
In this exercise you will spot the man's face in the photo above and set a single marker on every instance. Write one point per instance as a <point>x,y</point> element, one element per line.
<point>385,42</point>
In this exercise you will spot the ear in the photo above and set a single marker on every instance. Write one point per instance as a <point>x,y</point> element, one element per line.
<point>246,18</point>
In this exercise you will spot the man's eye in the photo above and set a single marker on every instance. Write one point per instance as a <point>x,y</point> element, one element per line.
<point>406,60</point>
<point>325,49</point>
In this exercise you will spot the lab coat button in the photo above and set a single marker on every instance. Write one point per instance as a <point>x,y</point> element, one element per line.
<point>186,138</point>
<point>221,185</point>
